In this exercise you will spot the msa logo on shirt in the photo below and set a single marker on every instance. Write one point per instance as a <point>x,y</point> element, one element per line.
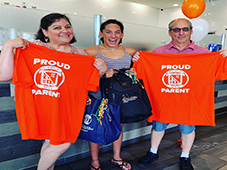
<point>175,78</point>
<point>49,78</point>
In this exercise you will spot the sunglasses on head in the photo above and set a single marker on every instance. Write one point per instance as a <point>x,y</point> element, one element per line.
<point>185,29</point>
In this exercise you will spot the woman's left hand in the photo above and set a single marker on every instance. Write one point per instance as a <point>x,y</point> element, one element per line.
<point>136,57</point>
<point>223,52</point>
<point>101,66</point>
<point>109,73</point>
<point>132,69</point>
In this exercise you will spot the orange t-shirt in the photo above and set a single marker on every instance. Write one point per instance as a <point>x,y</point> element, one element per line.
<point>181,86</point>
<point>51,89</point>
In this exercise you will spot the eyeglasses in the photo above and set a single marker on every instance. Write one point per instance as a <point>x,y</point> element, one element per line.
<point>185,29</point>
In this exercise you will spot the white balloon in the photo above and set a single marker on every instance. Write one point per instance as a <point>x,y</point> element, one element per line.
<point>200,29</point>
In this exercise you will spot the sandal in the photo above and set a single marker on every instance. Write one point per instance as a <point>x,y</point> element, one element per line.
<point>120,163</point>
<point>91,167</point>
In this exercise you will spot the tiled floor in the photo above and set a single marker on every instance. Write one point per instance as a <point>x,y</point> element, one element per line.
<point>209,151</point>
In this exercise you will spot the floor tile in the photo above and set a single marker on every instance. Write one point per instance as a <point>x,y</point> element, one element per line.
<point>209,151</point>
<point>205,162</point>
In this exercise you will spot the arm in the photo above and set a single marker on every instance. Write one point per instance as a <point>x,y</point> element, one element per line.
<point>131,51</point>
<point>135,56</point>
<point>101,66</point>
<point>7,57</point>
<point>99,63</point>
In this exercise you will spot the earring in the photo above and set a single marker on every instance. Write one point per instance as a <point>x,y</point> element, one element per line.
<point>46,39</point>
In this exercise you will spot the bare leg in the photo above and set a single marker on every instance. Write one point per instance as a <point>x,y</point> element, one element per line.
<point>117,147</point>
<point>94,150</point>
<point>156,138</point>
<point>187,142</point>
<point>45,144</point>
<point>117,150</point>
<point>49,155</point>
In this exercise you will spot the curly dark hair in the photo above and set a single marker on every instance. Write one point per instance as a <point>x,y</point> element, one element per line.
<point>47,21</point>
<point>111,21</point>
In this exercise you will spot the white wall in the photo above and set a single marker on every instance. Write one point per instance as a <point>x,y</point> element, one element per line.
<point>122,10</point>
<point>145,27</point>
<point>134,19</point>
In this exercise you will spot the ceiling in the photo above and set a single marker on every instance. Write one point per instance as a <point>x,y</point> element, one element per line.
<point>161,3</point>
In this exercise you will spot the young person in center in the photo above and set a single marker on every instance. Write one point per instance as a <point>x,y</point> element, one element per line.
<point>116,56</point>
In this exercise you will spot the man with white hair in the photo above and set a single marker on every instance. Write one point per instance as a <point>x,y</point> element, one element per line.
<point>180,30</point>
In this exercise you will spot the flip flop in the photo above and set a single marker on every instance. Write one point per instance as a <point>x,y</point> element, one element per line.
<point>91,167</point>
<point>122,164</point>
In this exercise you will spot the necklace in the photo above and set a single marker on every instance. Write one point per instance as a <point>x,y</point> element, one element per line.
<point>112,49</point>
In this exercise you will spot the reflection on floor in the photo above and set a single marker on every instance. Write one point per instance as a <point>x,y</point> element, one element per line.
<point>209,151</point>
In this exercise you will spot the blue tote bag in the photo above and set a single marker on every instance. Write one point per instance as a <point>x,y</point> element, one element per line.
<point>101,123</point>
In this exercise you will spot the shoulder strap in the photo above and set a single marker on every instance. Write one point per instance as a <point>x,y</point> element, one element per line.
<point>102,88</point>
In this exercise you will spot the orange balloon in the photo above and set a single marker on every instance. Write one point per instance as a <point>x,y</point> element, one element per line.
<point>193,8</point>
